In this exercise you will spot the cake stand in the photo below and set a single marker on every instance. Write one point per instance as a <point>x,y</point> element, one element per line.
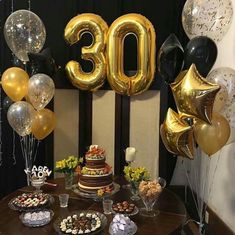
<point>94,196</point>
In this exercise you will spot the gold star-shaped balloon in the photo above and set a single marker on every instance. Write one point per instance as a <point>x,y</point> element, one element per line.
<point>177,135</point>
<point>194,96</point>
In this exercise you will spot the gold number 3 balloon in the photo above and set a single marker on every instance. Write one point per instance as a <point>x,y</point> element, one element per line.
<point>144,32</point>
<point>127,24</point>
<point>97,27</point>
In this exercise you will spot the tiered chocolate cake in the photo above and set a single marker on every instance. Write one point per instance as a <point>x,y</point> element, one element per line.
<point>96,174</point>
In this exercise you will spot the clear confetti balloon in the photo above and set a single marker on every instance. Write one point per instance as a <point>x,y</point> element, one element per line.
<point>229,114</point>
<point>24,33</point>
<point>211,18</point>
<point>225,77</point>
<point>41,90</point>
<point>20,116</point>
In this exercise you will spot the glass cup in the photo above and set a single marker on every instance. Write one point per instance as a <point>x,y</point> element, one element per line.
<point>150,200</point>
<point>107,206</point>
<point>64,198</point>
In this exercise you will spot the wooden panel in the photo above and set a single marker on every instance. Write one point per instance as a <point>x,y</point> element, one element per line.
<point>66,132</point>
<point>144,129</point>
<point>122,130</point>
<point>103,122</point>
<point>85,121</point>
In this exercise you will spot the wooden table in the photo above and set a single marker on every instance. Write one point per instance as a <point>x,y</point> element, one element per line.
<point>169,221</point>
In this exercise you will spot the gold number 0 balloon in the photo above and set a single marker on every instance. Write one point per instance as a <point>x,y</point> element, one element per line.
<point>97,27</point>
<point>142,28</point>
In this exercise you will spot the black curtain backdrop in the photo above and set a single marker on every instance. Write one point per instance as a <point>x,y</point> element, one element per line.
<point>166,18</point>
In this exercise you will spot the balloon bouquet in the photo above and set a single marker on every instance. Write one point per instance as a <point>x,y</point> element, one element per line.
<point>27,98</point>
<point>200,98</point>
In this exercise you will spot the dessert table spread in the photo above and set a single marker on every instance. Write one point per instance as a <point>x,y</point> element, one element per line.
<point>169,221</point>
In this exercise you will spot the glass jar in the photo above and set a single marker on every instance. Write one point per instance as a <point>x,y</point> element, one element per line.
<point>68,180</point>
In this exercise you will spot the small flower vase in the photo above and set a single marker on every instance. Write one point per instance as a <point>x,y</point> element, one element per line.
<point>68,180</point>
<point>134,187</point>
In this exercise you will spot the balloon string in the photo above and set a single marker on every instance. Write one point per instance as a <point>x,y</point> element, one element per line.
<point>12,6</point>
<point>38,142</point>
<point>190,185</point>
<point>29,150</point>
<point>29,4</point>
<point>213,179</point>
<point>13,147</point>
<point>204,189</point>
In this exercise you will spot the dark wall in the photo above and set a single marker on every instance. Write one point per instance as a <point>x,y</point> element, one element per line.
<point>165,16</point>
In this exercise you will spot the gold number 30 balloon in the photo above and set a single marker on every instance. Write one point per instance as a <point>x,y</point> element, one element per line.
<point>135,24</point>
<point>97,27</point>
<point>144,32</point>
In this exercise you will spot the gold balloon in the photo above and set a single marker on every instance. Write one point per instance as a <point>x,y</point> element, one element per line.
<point>15,83</point>
<point>181,75</point>
<point>177,135</point>
<point>194,96</point>
<point>220,99</point>
<point>97,27</point>
<point>212,138</point>
<point>43,124</point>
<point>144,32</point>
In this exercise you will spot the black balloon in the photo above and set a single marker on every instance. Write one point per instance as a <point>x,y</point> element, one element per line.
<point>17,62</point>
<point>7,102</point>
<point>42,62</point>
<point>170,59</point>
<point>201,51</point>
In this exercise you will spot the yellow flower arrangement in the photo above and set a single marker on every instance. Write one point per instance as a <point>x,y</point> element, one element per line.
<point>68,165</point>
<point>136,174</point>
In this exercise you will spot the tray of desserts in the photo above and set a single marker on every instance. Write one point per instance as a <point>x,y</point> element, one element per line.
<point>81,222</point>
<point>125,208</point>
<point>31,201</point>
<point>36,218</point>
<point>93,195</point>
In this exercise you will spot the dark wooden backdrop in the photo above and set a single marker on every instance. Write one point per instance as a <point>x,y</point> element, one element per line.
<point>166,18</point>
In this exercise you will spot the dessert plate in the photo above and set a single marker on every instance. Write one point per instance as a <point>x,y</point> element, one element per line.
<point>36,223</point>
<point>134,212</point>
<point>93,195</point>
<point>102,217</point>
<point>16,205</point>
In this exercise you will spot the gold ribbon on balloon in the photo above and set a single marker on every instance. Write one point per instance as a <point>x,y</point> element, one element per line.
<point>194,96</point>
<point>144,32</point>
<point>177,135</point>
<point>213,137</point>
<point>15,83</point>
<point>43,124</point>
<point>97,27</point>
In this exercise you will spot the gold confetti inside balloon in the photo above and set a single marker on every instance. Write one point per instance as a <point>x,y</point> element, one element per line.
<point>24,33</point>
<point>225,77</point>
<point>211,18</point>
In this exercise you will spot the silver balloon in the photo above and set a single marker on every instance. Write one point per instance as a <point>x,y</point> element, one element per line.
<point>207,18</point>
<point>20,116</point>
<point>24,33</point>
<point>41,90</point>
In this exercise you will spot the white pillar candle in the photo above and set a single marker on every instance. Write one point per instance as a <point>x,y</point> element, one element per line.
<point>130,154</point>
